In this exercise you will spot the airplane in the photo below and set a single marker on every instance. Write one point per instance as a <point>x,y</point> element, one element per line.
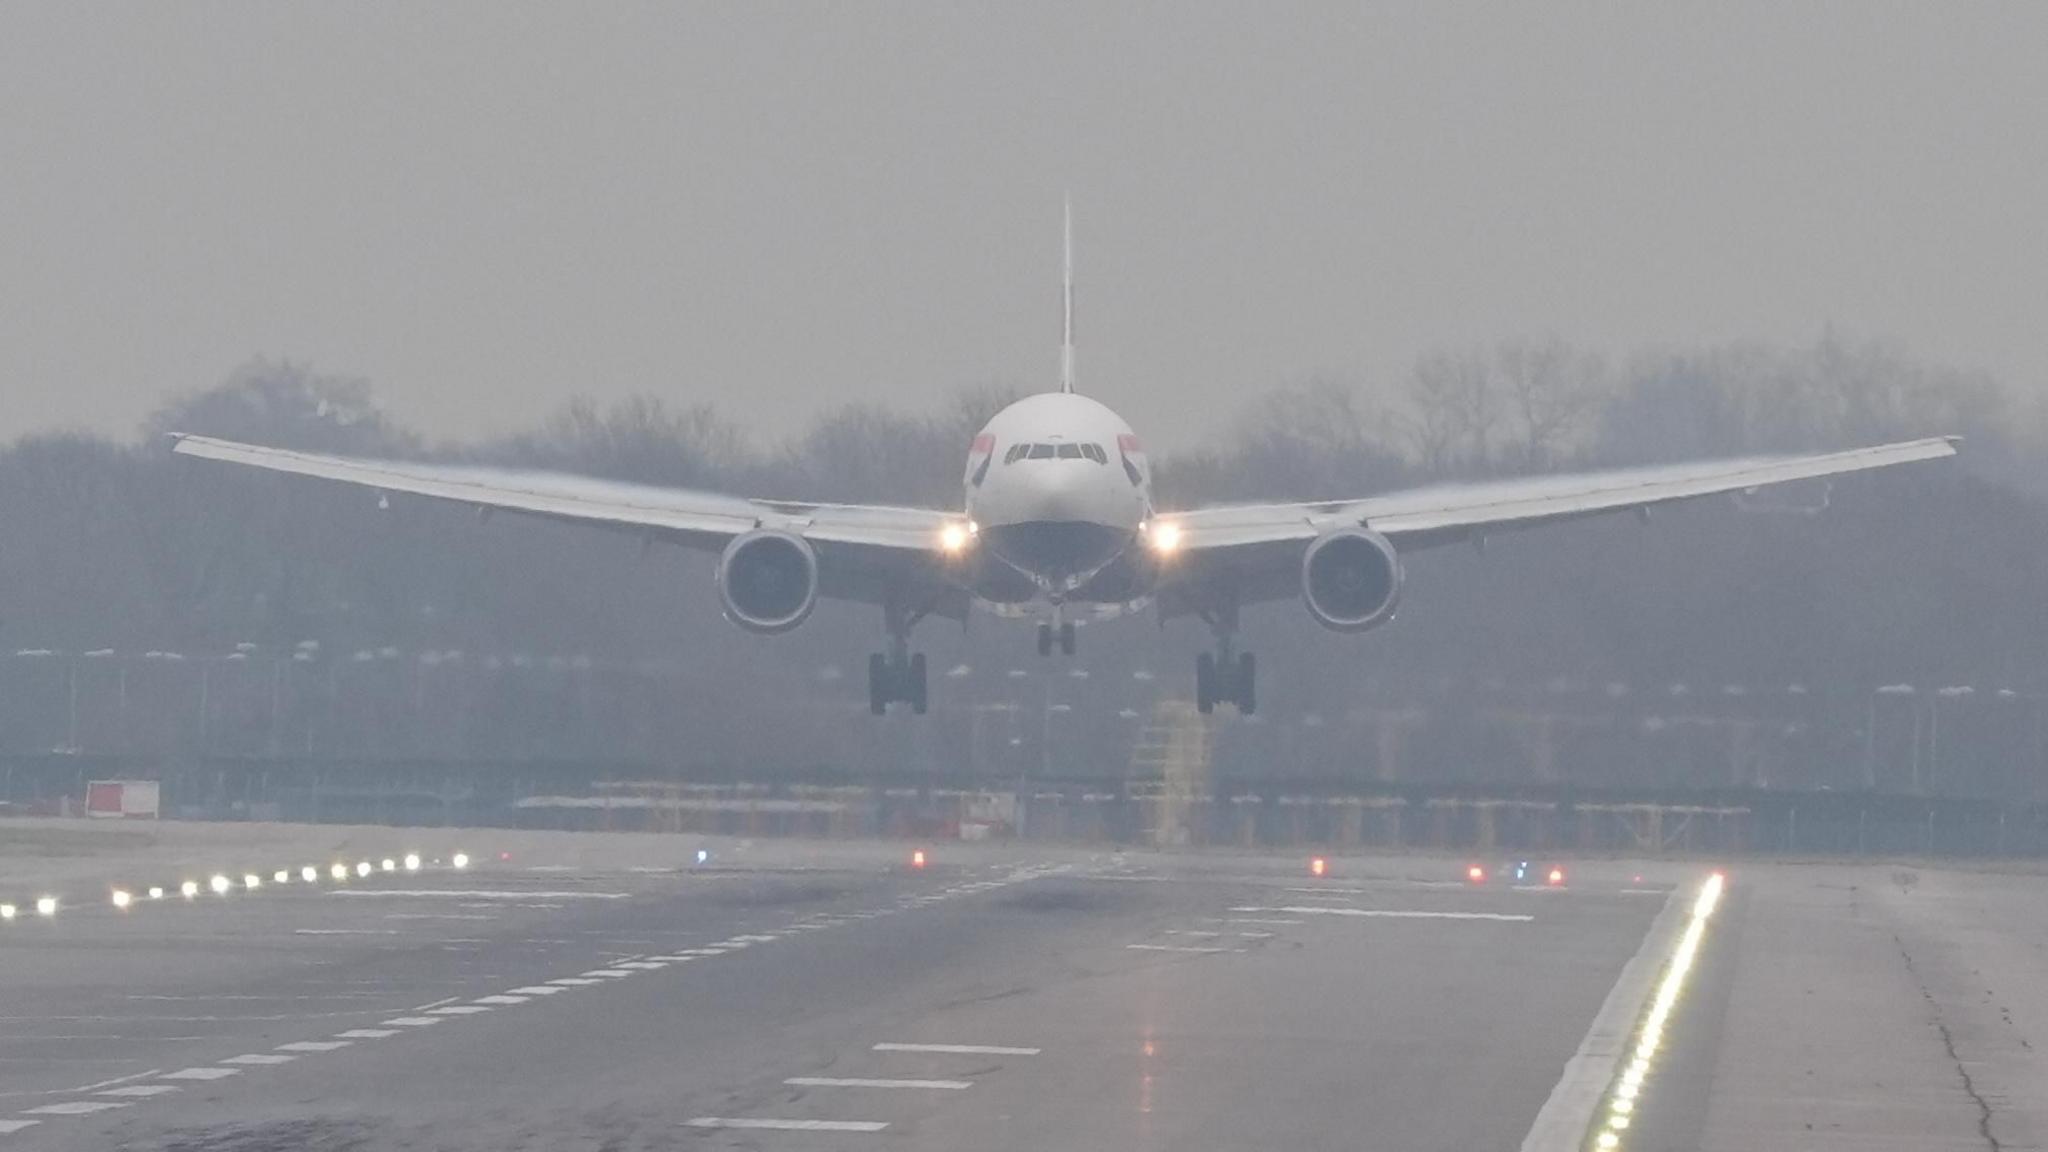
<point>1058,523</point>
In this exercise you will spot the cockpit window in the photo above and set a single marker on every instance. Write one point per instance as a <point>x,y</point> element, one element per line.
<point>1071,452</point>
<point>1043,452</point>
<point>1015,453</point>
<point>1094,452</point>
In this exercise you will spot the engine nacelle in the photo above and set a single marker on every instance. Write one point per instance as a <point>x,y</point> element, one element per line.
<point>768,581</point>
<point>1351,580</point>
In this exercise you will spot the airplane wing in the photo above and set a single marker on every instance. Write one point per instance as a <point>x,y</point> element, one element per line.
<point>1255,540</point>
<point>863,549</point>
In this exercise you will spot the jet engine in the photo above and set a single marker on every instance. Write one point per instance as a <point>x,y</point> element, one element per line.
<point>768,581</point>
<point>1350,580</point>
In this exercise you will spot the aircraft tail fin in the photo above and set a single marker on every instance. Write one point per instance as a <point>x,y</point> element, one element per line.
<point>1067,299</point>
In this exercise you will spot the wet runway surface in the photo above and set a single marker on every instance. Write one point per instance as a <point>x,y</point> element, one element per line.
<point>993,1000</point>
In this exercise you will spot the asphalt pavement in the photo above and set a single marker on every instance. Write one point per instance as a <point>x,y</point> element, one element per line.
<point>995,998</point>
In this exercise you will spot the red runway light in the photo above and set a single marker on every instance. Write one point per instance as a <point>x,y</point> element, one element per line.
<point>917,858</point>
<point>1318,866</point>
<point>1476,874</point>
<point>1556,877</point>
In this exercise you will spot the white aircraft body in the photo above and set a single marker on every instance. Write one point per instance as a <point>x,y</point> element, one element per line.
<point>1058,523</point>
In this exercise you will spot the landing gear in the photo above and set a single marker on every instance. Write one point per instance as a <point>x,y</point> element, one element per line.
<point>1064,634</point>
<point>1226,676</point>
<point>898,675</point>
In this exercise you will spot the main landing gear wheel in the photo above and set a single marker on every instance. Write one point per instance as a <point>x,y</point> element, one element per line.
<point>1222,680</point>
<point>896,678</point>
<point>1064,635</point>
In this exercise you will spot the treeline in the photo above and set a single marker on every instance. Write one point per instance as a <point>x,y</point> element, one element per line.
<point>1935,575</point>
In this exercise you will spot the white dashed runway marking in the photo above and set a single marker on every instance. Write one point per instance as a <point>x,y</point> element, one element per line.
<point>1200,948</point>
<point>620,968</point>
<point>856,1082</point>
<point>1398,914</point>
<point>774,1125</point>
<point>75,1108</point>
<point>957,1049</point>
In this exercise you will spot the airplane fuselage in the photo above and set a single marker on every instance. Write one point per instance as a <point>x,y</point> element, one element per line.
<point>1060,494</point>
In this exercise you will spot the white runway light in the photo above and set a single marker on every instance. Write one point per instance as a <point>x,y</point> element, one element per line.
<point>220,885</point>
<point>281,876</point>
<point>412,861</point>
<point>1650,1033</point>
<point>6,911</point>
<point>339,871</point>
<point>189,889</point>
<point>388,864</point>
<point>46,906</point>
<point>122,899</point>
<point>309,874</point>
<point>460,860</point>
<point>156,893</point>
<point>252,881</point>
<point>363,869</point>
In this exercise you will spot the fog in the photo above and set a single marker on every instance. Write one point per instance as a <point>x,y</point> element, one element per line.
<point>166,607</point>
<point>795,251</point>
<point>486,207</point>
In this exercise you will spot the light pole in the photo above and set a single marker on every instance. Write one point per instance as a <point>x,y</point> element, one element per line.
<point>1870,738</point>
<point>1952,692</point>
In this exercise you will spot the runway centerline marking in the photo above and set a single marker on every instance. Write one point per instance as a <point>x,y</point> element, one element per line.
<point>535,990</point>
<point>1205,949</point>
<point>437,1003</point>
<point>366,1034</point>
<point>75,1108</point>
<point>413,1021</point>
<point>202,1073</point>
<point>96,1086</point>
<point>460,1010</point>
<point>344,931</point>
<point>500,1000</point>
<point>312,1046</point>
<point>7,1126</point>
<point>1562,1124</point>
<point>1398,914</point>
<point>473,894</point>
<point>259,1058</point>
<point>140,1090</point>
<point>775,1125</point>
<point>862,1082</point>
<point>957,1049</point>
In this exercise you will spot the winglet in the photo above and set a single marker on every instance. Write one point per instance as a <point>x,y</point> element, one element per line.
<point>1067,298</point>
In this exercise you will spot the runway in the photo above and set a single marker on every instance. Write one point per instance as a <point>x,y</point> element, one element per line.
<point>996,999</point>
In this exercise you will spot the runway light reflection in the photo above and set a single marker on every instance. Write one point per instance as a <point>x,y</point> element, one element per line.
<point>1649,1036</point>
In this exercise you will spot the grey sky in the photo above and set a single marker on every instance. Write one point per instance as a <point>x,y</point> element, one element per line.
<point>488,207</point>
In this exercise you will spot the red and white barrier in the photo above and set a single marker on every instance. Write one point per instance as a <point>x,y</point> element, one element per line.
<point>121,799</point>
